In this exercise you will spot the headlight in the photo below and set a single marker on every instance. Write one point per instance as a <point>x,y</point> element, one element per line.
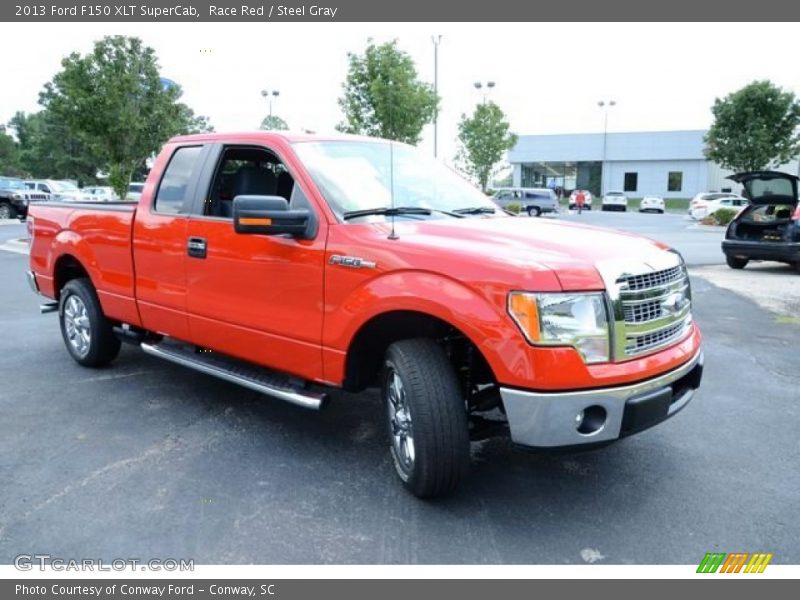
<point>17,196</point>
<point>579,320</point>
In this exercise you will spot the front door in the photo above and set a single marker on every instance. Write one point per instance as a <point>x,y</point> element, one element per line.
<point>255,297</point>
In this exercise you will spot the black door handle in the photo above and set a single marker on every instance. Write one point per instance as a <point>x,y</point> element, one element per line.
<point>196,247</point>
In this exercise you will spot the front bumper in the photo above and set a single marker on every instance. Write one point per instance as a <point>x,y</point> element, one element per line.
<point>758,250</point>
<point>558,419</point>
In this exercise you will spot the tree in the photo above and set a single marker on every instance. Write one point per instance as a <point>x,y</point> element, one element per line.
<point>754,128</point>
<point>383,96</point>
<point>114,101</point>
<point>9,154</point>
<point>47,149</point>
<point>485,138</point>
<point>274,123</point>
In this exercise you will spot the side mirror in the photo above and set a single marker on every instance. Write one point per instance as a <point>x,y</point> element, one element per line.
<point>270,215</point>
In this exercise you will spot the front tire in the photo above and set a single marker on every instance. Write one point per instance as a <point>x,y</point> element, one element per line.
<point>87,333</point>
<point>7,211</point>
<point>427,418</point>
<point>736,263</point>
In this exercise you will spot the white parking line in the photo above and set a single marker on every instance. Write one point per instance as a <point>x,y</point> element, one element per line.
<point>15,246</point>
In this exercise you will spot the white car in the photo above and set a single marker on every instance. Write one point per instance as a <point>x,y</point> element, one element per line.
<point>587,200</point>
<point>652,204</point>
<point>703,197</point>
<point>701,209</point>
<point>134,192</point>
<point>101,193</point>
<point>615,201</point>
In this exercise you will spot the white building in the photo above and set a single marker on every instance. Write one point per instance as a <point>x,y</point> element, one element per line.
<point>670,164</point>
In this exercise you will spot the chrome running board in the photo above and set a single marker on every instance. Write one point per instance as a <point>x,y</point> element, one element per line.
<point>241,373</point>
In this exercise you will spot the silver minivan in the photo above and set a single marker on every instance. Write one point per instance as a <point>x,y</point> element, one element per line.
<point>534,201</point>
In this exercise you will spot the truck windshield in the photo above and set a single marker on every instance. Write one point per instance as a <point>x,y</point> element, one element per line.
<point>356,175</point>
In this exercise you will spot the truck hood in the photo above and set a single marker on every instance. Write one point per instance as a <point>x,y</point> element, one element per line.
<point>572,251</point>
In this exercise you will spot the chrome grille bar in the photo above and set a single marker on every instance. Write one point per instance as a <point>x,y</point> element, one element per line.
<point>650,302</point>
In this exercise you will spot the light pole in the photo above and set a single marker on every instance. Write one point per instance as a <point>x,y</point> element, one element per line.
<point>479,85</point>
<point>269,96</point>
<point>436,39</point>
<point>605,105</point>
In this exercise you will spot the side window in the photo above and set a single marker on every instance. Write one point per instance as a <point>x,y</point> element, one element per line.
<point>246,171</point>
<point>175,182</point>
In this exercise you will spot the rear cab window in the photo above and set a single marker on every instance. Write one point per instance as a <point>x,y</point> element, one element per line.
<point>177,183</point>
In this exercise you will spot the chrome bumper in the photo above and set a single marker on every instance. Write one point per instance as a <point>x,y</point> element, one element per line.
<point>553,419</point>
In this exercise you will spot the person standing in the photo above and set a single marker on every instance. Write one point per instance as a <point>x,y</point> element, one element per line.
<point>580,199</point>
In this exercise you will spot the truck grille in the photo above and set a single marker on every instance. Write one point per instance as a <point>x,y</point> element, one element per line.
<point>653,310</point>
<point>648,280</point>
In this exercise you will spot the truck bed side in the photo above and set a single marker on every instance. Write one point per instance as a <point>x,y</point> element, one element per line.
<point>93,237</point>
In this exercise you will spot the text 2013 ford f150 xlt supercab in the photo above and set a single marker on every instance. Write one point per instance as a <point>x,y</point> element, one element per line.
<point>296,265</point>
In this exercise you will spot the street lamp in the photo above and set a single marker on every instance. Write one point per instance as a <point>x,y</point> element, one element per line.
<point>436,39</point>
<point>604,105</point>
<point>270,96</point>
<point>479,85</point>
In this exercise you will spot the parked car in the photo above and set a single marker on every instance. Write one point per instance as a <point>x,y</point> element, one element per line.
<point>652,204</point>
<point>587,200</point>
<point>13,198</point>
<point>703,208</point>
<point>615,201</point>
<point>101,193</point>
<point>702,198</point>
<point>134,192</point>
<point>769,228</point>
<point>295,265</point>
<point>59,190</point>
<point>534,201</point>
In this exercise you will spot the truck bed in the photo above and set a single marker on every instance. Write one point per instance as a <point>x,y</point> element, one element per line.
<point>99,230</point>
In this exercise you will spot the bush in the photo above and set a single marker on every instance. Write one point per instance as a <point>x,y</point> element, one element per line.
<point>723,216</point>
<point>513,207</point>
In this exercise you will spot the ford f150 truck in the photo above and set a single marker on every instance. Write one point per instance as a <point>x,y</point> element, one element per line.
<point>297,265</point>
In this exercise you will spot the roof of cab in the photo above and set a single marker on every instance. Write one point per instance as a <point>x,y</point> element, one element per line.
<point>288,136</point>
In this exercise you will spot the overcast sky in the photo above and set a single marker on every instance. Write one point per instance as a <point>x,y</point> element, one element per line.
<point>548,77</point>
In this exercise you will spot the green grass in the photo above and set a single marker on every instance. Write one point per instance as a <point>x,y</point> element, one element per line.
<point>673,205</point>
<point>787,320</point>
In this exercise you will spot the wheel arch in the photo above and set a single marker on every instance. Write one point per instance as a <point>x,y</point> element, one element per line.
<point>367,348</point>
<point>66,268</point>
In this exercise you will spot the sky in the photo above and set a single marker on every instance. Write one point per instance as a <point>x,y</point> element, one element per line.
<point>548,76</point>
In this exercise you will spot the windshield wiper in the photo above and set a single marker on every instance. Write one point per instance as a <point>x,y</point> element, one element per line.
<point>391,211</point>
<point>475,210</point>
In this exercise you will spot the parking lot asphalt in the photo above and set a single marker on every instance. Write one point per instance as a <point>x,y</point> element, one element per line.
<point>144,459</point>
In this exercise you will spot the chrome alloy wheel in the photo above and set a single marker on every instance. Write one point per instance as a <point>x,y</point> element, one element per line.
<point>76,323</point>
<point>402,430</point>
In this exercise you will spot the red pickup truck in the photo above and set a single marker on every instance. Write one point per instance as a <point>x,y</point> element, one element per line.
<point>296,265</point>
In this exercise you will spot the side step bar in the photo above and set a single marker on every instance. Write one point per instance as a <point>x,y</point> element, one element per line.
<point>48,307</point>
<point>249,376</point>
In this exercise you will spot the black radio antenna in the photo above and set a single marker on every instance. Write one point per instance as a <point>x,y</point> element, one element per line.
<point>393,235</point>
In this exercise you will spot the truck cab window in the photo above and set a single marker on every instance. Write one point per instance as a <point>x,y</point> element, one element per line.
<point>172,190</point>
<point>246,171</point>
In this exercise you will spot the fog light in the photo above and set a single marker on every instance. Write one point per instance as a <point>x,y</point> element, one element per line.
<point>591,420</point>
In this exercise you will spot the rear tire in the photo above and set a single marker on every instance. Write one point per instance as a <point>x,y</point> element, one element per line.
<point>426,416</point>
<point>534,211</point>
<point>736,263</point>
<point>87,333</point>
